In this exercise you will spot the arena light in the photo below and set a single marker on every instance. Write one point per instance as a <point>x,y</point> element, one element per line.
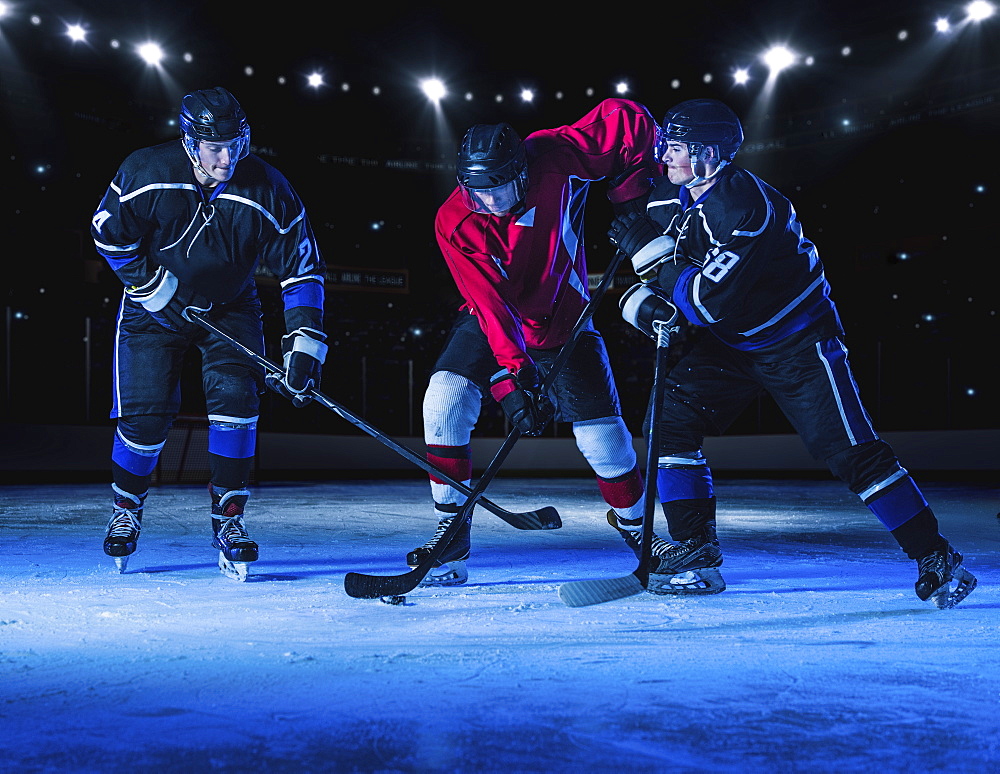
<point>151,54</point>
<point>527,95</point>
<point>76,33</point>
<point>315,80</point>
<point>778,58</point>
<point>942,25</point>
<point>978,10</point>
<point>621,87</point>
<point>434,89</point>
<point>4,9</point>
<point>741,76</point>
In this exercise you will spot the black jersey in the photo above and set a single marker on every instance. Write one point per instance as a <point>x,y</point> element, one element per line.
<point>156,214</point>
<point>753,278</point>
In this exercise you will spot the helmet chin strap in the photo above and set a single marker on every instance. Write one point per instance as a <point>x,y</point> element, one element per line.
<point>191,148</point>
<point>698,167</point>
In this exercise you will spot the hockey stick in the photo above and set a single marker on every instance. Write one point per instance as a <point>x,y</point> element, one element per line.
<point>543,518</point>
<point>597,590</point>
<point>371,586</point>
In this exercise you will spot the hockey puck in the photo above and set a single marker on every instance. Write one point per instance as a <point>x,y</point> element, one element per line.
<point>394,600</point>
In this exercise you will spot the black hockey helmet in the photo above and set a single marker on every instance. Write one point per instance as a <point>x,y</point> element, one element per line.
<point>213,115</point>
<point>701,122</point>
<point>492,168</point>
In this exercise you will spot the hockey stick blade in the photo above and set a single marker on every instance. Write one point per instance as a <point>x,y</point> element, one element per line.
<point>543,518</point>
<point>371,586</point>
<point>362,586</point>
<point>594,592</point>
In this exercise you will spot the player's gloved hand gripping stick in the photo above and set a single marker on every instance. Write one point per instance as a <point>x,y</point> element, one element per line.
<point>543,518</point>
<point>364,586</point>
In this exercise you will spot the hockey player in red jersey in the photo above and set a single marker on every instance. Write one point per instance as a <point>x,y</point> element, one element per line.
<point>728,250</point>
<point>184,225</point>
<point>511,234</point>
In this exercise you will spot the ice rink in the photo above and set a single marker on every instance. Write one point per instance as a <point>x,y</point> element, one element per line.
<point>817,658</point>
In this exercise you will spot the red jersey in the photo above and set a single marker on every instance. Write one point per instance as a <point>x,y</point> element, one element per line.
<point>524,276</point>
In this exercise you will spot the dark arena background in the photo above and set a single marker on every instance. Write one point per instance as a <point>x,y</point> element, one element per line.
<point>881,126</point>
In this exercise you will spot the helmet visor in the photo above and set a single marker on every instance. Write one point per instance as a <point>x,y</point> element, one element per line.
<point>498,200</point>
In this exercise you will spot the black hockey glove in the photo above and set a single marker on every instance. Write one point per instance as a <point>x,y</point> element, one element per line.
<point>168,301</point>
<point>642,241</point>
<point>650,312</point>
<point>522,399</point>
<point>303,351</point>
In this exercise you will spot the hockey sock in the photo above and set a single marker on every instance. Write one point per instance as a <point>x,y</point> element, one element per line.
<point>126,482</point>
<point>451,407</point>
<point>137,458</point>
<point>230,472</point>
<point>606,444</point>
<point>624,495</point>
<point>894,500</point>
<point>688,518</point>
<point>456,461</point>
<point>683,477</point>
<point>919,536</point>
<point>231,446</point>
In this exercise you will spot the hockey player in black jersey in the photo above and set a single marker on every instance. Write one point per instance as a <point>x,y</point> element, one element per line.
<point>184,225</point>
<point>728,251</point>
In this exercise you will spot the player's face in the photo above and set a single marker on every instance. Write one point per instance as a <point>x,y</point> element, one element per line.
<point>677,162</point>
<point>492,201</point>
<point>219,159</point>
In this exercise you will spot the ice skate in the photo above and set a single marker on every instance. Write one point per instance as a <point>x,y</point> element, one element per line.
<point>449,569</point>
<point>942,579</point>
<point>122,537</point>
<point>236,549</point>
<point>688,567</point>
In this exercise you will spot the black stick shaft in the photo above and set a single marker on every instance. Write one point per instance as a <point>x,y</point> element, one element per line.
<point>371,586</point>
<point>544,518</point>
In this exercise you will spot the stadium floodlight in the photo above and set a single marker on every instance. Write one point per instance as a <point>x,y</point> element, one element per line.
<point>151,53</point>
<point>434,89</point>
<point>76,33</point>
<point>315,80</point>
<point>778,58</point>
<point>527,95</point>
<point>978,10</point>
<point>741,76</point>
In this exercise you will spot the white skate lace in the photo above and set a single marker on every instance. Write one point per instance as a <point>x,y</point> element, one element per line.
<point>661,547</point>
<point>233,532</point>
<point>124,523</point>
<point>442,527</point>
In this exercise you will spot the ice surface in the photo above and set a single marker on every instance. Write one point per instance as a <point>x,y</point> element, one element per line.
<point>817,658</point>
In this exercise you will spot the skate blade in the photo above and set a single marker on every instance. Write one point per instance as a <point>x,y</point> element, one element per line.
<point>121,562</point>
<point>950,594</point>
<point>238,571</point>
<point>707,580</point>
<point>450,574</point>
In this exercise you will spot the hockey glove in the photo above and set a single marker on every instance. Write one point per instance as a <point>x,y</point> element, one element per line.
<point>642,241</point>
<point>522,399</point>
<point>303,351</point>
<point>649,311</point>
<point>168,301</point>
